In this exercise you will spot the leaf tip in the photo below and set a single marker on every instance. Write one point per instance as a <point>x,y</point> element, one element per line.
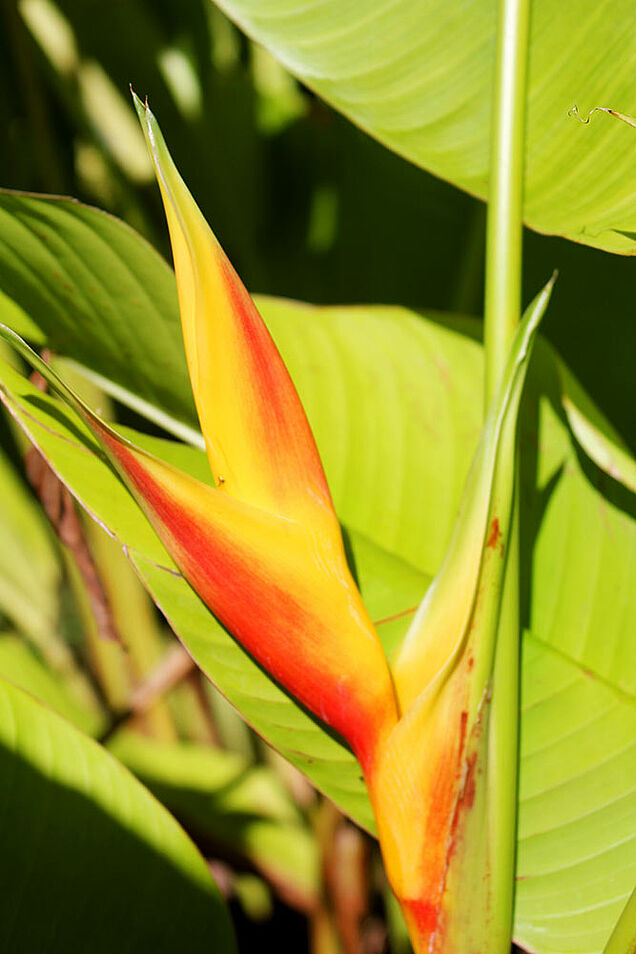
<point>140,106</point>
<point>144,113</point>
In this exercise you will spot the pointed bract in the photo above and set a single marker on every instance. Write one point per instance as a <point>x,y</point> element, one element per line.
<point>258,439</point>
<point>440,626</point>
<point>283,590</point>
<point>432,787</point>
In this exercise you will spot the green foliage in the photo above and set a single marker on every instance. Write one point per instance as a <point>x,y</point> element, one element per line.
<point>623,939</point>
<point>128,317</point>
<point>396,233</point>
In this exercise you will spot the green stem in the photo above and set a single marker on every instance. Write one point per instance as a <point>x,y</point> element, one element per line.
<point>504,748</point>
<point>504,228</point>
<point>505,201</point>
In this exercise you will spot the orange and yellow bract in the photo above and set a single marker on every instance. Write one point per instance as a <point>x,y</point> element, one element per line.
<point>283,589</point>
<point>258,440</point>
<point>262,547</point>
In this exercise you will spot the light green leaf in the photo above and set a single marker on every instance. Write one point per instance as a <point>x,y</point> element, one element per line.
<point>89,859</point>
<point>577,839</point>
<point>229,803</point>
<point>595,434</point>
<point>581,598</point>
<point>425,91</point>
<point>101,295</point>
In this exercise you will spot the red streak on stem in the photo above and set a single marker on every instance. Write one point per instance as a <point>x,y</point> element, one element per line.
<point>495,533</point>
<point>425,916</point>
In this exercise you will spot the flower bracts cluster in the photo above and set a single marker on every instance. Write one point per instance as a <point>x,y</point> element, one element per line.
<point>262,547</point>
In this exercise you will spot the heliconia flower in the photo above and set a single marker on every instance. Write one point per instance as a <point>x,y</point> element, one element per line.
<point>262,547</point>
<point>317,640</point>
<point>440,795</point>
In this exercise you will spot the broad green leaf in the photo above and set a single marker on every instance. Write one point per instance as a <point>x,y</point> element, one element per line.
<point>576,861</point>
<point>99,294</point>
<point>581,597</point>
<point>231,805</point>
<point>89,859</point>
<point>418,76</point>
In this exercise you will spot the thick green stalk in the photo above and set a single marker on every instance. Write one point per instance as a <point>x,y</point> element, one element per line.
<point>505,195</point>
<point>501,315</point>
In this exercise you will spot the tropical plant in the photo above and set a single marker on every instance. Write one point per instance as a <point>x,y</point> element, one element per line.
<point>408,724</point>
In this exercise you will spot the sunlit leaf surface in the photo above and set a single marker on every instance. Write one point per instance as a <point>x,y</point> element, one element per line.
<point>425,91</point>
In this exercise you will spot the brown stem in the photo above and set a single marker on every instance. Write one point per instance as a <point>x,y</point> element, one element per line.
<point>345,862</point>
<point>59,507</point>
<point>208,726</point>
<point>175,666</point>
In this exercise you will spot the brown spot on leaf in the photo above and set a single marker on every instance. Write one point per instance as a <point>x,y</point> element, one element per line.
<point>468,795</point>
<point>495,533</point>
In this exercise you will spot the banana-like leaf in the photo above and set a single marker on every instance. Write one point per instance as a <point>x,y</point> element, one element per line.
<point>48,248</point>
<point>576,861</point>
<point>89,858</point>
<point>418,76</point>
